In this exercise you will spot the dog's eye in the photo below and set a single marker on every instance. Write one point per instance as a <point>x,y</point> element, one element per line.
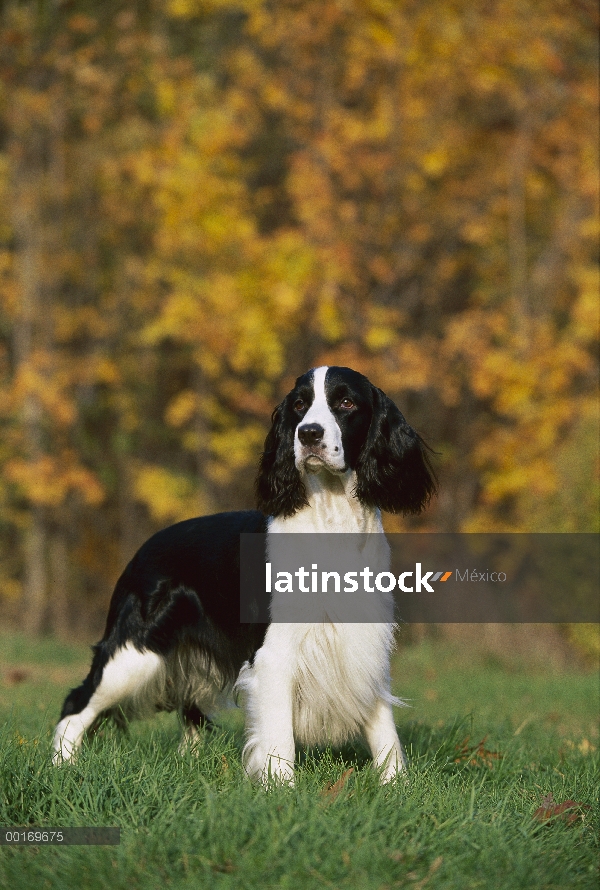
<point>299,405</point>
<point>346,403</point>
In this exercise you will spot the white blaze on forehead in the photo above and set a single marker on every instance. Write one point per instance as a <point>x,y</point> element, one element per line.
<point>319,409</point>
<point>330,448</point>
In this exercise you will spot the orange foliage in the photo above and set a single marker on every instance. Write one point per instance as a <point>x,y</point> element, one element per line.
<point>195,207</point>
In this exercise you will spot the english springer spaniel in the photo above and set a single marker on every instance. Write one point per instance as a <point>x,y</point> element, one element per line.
<point>338,452</point>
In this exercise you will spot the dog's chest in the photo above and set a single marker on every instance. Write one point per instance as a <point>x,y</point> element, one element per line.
<point>337,665</point>
<point>338,672</point>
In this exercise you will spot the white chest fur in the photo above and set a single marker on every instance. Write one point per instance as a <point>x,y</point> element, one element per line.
<point>332,507</point>
<point>321,682</point>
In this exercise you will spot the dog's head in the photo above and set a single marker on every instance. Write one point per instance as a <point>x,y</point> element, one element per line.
<point>335,421</point>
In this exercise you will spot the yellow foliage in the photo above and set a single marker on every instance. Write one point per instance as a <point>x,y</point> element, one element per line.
<point>238,448</point>
<point>182,408</point>
<point>10,589</point>
<point>586,311</point>
<point>382,323</point>
<point>187,223</point>
<point>377,338</point>
<point>586,639</point>
<point>181,313</point>
<point>48,481</point>
<point>435,162</point>
<point>330,322</point>
<point>168,495</point>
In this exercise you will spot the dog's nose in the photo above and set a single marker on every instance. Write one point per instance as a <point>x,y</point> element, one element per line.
<point>311,433</point>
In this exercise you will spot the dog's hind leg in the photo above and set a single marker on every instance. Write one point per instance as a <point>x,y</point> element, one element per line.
<point>113,680</point>
<point>194,721</point>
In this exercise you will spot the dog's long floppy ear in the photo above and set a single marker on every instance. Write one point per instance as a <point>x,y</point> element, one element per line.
<point>393,469</point>
<point>279,488</point>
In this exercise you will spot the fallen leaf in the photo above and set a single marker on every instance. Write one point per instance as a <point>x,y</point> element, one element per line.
<point>476,755</point>
<point>332,790</point>
<point>568,811</point>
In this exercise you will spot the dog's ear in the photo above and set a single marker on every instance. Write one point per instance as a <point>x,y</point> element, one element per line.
<point>393,471</point>
<point>279,488</point>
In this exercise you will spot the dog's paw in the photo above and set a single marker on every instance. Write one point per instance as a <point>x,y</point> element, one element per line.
<point>269,769</point>
<point>277,771</point>
<point>67,739</point>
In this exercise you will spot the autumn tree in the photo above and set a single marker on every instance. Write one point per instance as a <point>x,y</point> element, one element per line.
<point>194,208</point>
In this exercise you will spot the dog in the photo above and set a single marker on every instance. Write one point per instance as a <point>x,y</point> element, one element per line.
<point>339,451</point>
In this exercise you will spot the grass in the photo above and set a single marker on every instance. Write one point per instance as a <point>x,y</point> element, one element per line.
<point>488,740</point>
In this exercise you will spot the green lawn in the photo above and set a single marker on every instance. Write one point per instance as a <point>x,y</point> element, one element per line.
<point>488,740</point>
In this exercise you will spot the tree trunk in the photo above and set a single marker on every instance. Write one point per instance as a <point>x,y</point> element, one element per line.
<point>35,575</point>
<point>59,584</point>
<point>27,227</point>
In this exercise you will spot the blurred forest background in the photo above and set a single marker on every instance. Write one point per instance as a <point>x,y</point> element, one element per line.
<point>200,199</point>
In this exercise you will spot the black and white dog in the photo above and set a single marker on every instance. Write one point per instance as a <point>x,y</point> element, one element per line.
<point>338,452</point>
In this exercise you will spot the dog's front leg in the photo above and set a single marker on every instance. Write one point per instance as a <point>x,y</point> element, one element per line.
<point>268,686</point>
<point>382,738</point>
